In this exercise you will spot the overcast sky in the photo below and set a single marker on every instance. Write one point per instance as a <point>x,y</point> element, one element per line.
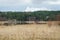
<point>29,5</point>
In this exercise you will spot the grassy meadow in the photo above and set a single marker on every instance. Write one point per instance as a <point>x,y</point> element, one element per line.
<point>30,32</point>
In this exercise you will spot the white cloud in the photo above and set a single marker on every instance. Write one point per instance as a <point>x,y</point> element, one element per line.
<point>28,9</point>
<point>52,2</point>
<point>33,5</point>
<point>14,2</point>
<point>56,2</point>
<point>27,1</point>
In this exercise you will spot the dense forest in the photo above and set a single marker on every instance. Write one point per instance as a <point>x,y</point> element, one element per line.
<point>22,16</point>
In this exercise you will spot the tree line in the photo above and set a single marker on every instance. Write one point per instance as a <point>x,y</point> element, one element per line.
<point>22,16</point>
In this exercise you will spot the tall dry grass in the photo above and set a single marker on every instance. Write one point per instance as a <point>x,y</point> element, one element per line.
<point>30,32</point>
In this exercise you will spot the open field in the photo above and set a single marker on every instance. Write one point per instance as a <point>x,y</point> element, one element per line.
<point>30,32</point>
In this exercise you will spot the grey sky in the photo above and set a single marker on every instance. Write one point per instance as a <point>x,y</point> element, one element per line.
<point>29,5</point>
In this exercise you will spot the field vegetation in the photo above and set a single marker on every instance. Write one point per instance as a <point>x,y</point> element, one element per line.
<point>30,32</point>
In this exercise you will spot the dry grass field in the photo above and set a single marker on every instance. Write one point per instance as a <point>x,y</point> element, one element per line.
<point>30,32</point>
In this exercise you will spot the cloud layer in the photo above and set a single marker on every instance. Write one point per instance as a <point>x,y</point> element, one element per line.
<point>28,9</point>
<point>29,5</point>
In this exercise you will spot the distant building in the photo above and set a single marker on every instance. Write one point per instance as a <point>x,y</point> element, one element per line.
<point>57,17</point>
<point>33,19</point>
<point>3,18</point>
<point>12,21</point>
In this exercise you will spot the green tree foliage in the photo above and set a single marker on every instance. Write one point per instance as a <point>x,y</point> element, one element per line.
<point>22,16</point>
